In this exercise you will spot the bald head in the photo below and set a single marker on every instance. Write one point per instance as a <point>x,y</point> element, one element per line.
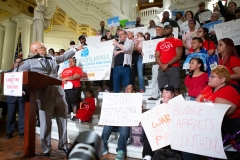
<point>38,47</point>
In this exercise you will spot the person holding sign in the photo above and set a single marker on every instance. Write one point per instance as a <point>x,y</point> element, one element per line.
<point>228,13</point>
<point>71,76</point>
<point>229,58</point>
<point>201,9</point>
<point>219,91</point>
<point>123,132</point>
<point>52,97</point>
<point>168,53</point>
<point>13,103</point>
<point>122,61</point>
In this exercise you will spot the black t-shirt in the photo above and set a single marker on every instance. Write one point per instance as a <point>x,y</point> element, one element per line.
<point>120,57</point>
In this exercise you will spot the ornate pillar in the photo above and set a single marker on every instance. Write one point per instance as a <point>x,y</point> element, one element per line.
<point>167,3</point>
<point>2,32</point>
<point>24,25</point>
<point>8,44</point>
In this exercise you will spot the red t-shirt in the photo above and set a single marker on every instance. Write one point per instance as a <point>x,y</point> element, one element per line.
<point>68,72</point>
<point>195,85</point>
<point>87,110</point>
<point>228,93</point>
<point>167,49</point>
<point>208,45</point>
<point>233,62</point>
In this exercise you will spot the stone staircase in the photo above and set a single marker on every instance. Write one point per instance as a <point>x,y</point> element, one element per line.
<point>74,128</point>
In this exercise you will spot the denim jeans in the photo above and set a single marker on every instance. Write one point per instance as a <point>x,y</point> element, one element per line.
<point>121,73</point>
<point>140,72</point>
<point>122,140</point>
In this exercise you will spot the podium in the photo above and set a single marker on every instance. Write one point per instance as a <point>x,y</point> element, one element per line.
<point>32,82</point>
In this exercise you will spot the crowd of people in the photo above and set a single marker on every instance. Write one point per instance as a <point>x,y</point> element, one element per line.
<point>219,85</point>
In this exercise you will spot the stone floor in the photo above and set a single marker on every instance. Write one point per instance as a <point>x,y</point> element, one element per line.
<point>12,149</point>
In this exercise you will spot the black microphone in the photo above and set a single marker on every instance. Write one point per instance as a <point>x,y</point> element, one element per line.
<point>33,57</point>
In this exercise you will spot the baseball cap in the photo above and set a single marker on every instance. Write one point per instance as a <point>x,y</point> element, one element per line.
<point>159,25</point>
<point>168,88</point>
<point>168,26</point>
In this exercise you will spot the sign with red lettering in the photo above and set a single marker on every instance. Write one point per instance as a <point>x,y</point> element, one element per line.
<point>121,109</point>
<point>13,84</point>
<point>196,128</point>
<point>156,124</point>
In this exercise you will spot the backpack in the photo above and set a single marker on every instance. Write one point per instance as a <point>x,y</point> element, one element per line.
<point>135,135</point>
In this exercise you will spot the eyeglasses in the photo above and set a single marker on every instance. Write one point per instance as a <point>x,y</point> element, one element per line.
<point>199,31</point>
<point>212,76</point>
<point>41,47</point>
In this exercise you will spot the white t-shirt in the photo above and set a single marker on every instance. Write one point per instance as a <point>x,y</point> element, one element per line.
<point>184,27</point>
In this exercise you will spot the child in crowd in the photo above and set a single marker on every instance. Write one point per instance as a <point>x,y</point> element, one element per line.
<point>197,79</point>
<point>87,107</point>
<point>167,94</point>
<point>140,39</point>
<point>196,45</point>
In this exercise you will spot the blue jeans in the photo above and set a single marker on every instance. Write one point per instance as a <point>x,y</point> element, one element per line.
<point>121,73</point>
<point>140,72</point>
<point>122,140</point>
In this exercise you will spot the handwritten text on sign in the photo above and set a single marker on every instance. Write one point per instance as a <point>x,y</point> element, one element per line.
<point>148,50</point>
<point>230,30</point>
<point>196,128</point>
<point>205,16</point>
<point>156,124</point>
<point>13,84</point>
<point>121,109</point>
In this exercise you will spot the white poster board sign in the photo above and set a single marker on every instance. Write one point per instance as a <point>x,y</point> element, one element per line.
<point>96,61</point>
<point>121,109</point>
<point>196,128</point>
<point>175,32</point>
<point>148,49</point>
<point>13,84</point>
<point>113,22</point>
<point>205,16</point>
<point>93,40</point>
<point>230,30</point>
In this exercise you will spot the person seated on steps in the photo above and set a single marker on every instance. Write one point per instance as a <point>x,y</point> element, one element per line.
<point>87,107</point>
<point>167,94</point>
<point>123,131</point>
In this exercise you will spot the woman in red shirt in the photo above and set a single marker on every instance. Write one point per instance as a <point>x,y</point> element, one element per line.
<point>71,76</point>
<point>229,58</point>
<point>219,91</point>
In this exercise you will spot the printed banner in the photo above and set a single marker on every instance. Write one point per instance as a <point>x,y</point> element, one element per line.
<point>211,25</point>
<point>196,128</point>
<point>203,56</point>
<point>96,61</point>
<point>113,21</point>
<point>174,13</point>
<point>205,16</point>
<point>148,49</point>
<point>130,24</point>
<point>13,84</point>
<point>230,30</point>
<point>121,109</point>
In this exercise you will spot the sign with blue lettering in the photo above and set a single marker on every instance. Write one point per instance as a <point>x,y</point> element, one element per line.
<point>113,22</point>
<point>130,24</point>
<point>202,56</point>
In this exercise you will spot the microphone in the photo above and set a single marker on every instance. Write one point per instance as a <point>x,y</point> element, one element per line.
<point>33,57</point>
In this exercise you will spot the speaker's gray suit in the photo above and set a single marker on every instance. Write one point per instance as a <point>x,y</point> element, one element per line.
<point>52,98</point>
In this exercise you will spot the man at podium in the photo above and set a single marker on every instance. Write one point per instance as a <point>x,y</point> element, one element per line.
<point>52,98</point>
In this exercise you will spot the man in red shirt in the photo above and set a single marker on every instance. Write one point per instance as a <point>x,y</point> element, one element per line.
<point>167,55</point>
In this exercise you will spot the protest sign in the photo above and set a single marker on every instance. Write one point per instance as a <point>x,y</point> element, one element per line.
<point>148,50</point>
<point>96,61</point>
<point>202,56</point>
<point>211,25</point>
<point>13,84</point>
<point>196,128</point>
<point>113,21</point>
<point>123,22</point>
<point>130,24</point>
<point>205,16</point>
<point>175,32</point>
<point>230,30</point>
<point>93,40</point>
<point>121,109</point>
<point>156,124</point>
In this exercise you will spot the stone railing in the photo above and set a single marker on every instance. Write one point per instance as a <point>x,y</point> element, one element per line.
<point>149,12</point>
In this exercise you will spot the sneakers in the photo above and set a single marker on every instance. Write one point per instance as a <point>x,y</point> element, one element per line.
<point>74,118</point>
<point>105,151</point>
<point>147,157</point>
<point>141,91</point>
<point>120,155</point>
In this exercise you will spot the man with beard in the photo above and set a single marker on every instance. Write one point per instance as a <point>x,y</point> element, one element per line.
<point>167,55</point>
<point>166,20</point>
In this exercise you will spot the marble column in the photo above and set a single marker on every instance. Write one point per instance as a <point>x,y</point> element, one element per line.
<point>8,45</point>
<point>24,25</point>
<point>2,32</point>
